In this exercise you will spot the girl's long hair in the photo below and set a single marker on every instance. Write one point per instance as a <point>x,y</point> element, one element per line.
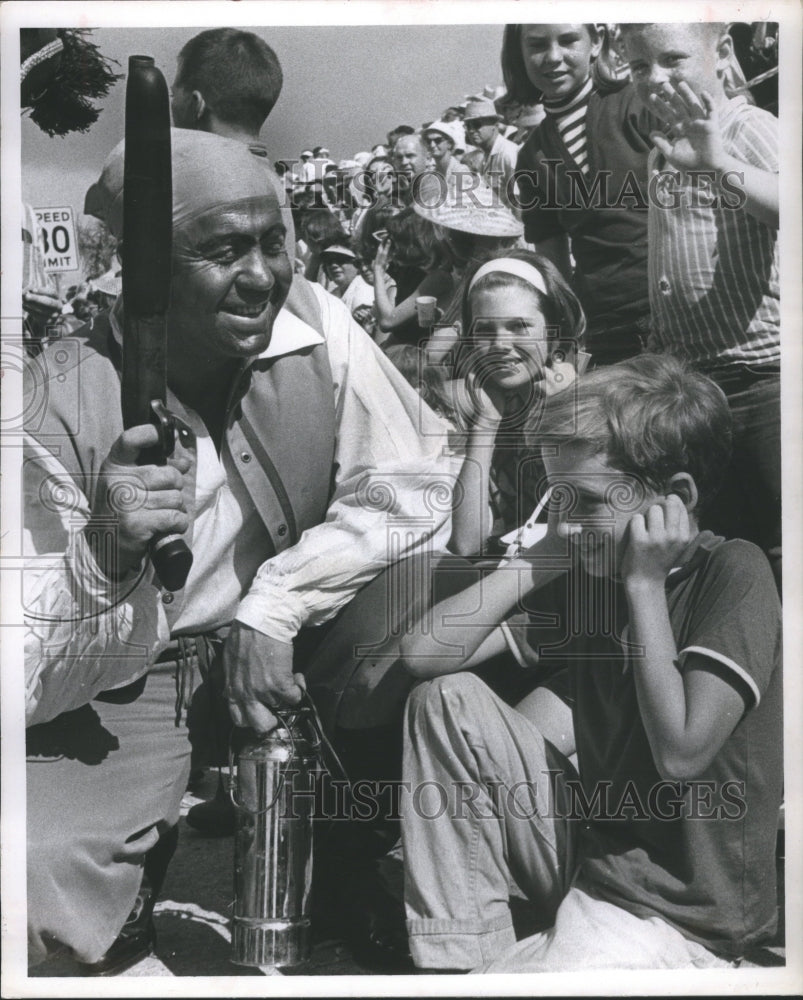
<point>520,89</point>
<point>560,306</point>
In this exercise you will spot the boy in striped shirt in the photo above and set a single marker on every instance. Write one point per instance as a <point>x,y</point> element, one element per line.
<point>713,253</point>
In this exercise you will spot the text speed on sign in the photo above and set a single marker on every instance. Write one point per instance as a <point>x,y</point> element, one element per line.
<point>57,238</point>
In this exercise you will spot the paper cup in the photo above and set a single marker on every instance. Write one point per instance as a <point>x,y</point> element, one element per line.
<point>425,306</point>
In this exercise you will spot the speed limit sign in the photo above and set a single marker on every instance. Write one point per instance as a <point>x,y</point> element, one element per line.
<point>57,238</point>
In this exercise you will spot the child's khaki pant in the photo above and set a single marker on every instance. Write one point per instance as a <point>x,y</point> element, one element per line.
<point>483,821</point>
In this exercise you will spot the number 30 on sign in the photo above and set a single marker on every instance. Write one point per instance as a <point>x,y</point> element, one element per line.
<point>57,238</point>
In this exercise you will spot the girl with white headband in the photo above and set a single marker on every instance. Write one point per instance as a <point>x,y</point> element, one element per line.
<point>522,326</point>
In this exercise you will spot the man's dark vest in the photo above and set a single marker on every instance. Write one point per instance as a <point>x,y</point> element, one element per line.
<point>280,430</point>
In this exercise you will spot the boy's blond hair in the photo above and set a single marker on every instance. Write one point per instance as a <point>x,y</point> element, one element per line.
<point>713,29</point>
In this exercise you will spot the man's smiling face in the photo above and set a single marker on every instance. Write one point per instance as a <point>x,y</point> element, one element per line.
<point>231,275</point>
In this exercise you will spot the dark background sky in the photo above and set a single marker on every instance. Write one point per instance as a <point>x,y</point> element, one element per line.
<point>344,87</point>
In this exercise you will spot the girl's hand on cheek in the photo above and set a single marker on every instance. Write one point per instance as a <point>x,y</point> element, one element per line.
<point>488,401</point>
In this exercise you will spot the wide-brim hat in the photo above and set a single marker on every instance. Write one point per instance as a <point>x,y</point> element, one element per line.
<point>478,211</point>
<point>452,130</point>
<point>482,108</point>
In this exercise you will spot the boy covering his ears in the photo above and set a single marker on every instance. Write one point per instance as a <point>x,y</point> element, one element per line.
<point>659,648</point>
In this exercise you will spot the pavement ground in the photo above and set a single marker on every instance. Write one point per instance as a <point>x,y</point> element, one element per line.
<point>193,937</point>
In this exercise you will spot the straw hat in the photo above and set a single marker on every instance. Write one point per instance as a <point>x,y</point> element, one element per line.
<point>478,211</point>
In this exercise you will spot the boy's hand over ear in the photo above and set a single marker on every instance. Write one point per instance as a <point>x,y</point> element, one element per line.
<point>655,540</point>
<point>696,139</point>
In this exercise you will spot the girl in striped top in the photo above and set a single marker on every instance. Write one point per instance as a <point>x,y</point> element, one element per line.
<point>582,175</point>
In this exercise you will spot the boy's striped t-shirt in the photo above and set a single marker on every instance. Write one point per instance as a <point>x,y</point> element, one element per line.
<point>570,119</point>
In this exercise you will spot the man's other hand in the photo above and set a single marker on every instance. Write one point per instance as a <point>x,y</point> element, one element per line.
<point>259,677</point>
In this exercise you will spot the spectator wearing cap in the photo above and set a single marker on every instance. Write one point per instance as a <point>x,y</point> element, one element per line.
<point>305,170</point>
<point>482,130</point>
<point>109,284</point>
<point>444,140</point>
<point>321,161</point>
<point>342,267</point>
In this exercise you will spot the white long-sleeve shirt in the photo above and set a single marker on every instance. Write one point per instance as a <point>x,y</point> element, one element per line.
<point>391,492</point>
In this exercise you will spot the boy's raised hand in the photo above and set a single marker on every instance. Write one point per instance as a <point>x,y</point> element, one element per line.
<point>696,139</point>
<point>655,540</point>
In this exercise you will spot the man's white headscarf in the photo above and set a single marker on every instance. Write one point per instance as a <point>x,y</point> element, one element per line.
<point>208,170</point>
